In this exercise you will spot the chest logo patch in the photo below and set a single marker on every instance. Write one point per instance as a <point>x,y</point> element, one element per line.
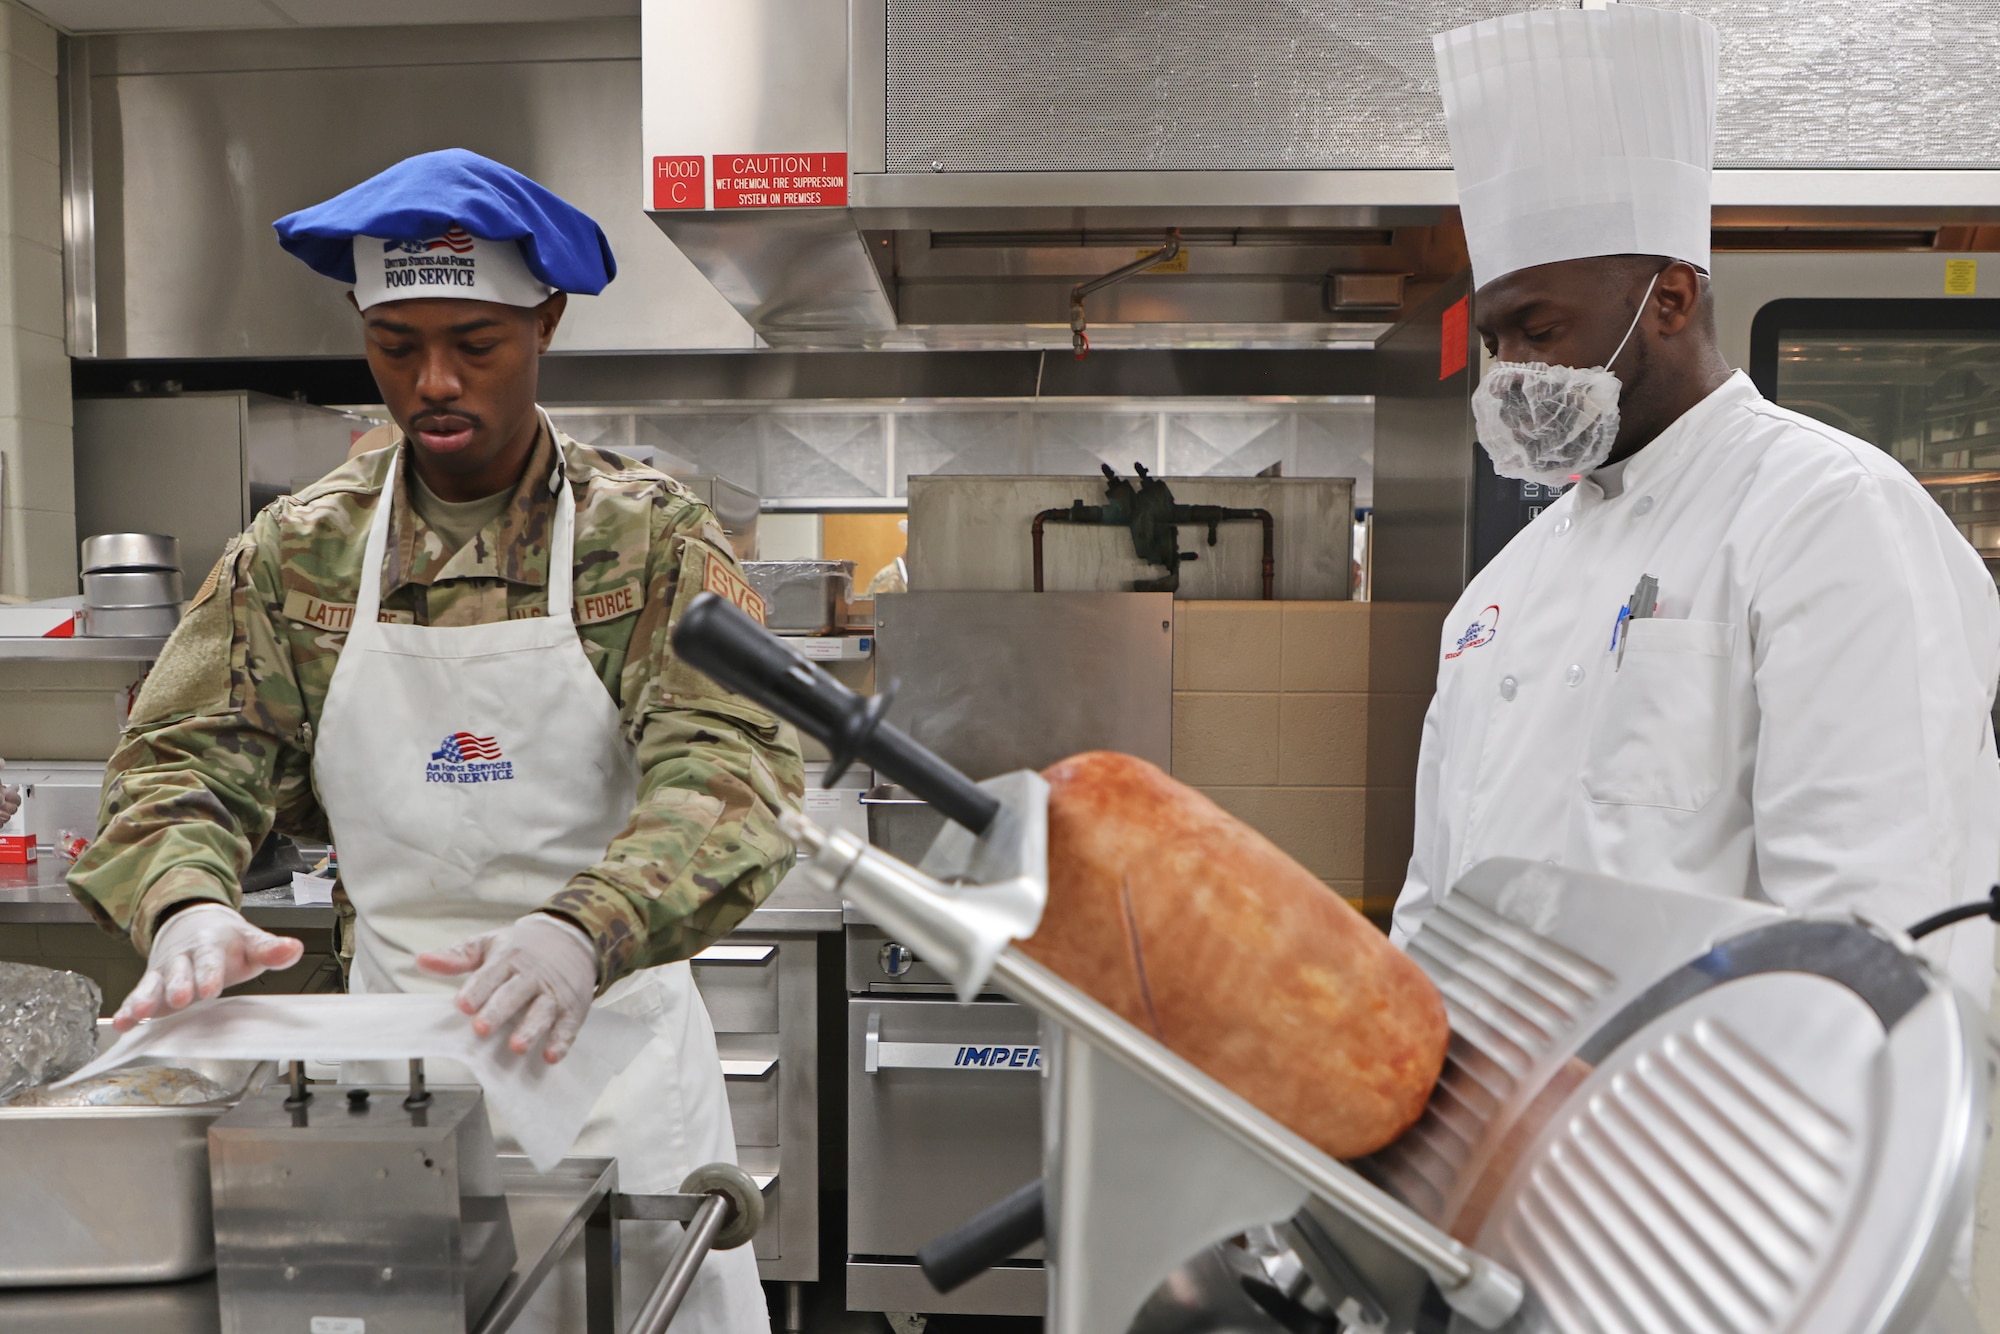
<point>1480,632</point>
<point>465,758</point>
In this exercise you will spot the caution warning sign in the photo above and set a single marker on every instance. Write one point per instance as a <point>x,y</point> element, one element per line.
<point>780,180</point>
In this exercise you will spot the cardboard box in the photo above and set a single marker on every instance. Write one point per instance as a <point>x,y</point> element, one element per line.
<point>37,622</point>
<point>17,849</point>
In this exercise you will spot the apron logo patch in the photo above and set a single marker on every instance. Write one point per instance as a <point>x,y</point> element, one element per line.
<point>465,758</point>
<point>1481,631</point>
<point>719,579</point>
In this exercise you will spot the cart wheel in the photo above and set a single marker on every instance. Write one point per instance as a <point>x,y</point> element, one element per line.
<point>733,1184</point>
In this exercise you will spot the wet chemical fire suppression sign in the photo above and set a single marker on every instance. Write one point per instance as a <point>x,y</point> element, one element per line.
<point>780,180</point>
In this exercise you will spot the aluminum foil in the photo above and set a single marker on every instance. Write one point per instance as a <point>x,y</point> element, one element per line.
<point>48,1025</point>
<point>143,1086</point>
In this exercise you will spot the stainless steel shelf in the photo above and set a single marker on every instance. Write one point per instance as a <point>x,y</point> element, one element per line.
<point>81,649</point>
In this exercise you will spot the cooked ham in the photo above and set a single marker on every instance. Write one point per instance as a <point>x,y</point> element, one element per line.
<point>1198,930</point>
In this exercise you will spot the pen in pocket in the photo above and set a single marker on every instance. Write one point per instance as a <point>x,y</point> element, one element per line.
<point>1645,600</point>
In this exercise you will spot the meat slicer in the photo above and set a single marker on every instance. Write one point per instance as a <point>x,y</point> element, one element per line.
<point>1660,1112</point>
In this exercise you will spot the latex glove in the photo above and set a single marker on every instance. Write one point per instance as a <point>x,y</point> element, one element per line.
<point>10,799</point>
<point>541,968</point>
<point>199,951</point>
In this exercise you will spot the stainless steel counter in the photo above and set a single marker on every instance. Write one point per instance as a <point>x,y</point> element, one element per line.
<point>36,894</point>
<point>549,1214</point>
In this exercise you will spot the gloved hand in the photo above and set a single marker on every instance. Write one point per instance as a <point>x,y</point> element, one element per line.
<point>196,953</point>
<point>541,965</point>
<point>10,799</point>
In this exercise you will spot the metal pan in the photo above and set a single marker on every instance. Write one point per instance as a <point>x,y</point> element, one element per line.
<point>131,551</point>
<point>129,622</point>
<point>802,596</point>
<point>92,1195</point>
<point>132,588</point>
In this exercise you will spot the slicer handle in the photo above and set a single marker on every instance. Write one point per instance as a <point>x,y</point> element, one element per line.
<point>990,1236</point>
<point>716,637</point>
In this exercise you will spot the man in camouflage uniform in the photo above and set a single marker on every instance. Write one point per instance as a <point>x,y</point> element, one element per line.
<point>486,580</point>
<point>220,741</point>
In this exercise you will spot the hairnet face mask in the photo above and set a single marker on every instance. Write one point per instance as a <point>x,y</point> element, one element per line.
<point>1546,424</point>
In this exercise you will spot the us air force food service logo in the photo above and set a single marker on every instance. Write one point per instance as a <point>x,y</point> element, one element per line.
<point>441,261</point>
<point>465,758</point>
<point>1481,631</point>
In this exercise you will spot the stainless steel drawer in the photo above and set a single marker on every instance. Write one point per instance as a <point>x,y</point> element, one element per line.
<point>739,984</point>
<point>944,1116</point>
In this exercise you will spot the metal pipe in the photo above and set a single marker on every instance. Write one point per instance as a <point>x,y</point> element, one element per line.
<point>1270,552</point>
<point>1485,1292</point>
<point>420,1094</point>
<point>1040,519</point>
<point>1079,342</point>
<point>659,1309</point>
<point>1263,516</point>
<point>300,1095</point>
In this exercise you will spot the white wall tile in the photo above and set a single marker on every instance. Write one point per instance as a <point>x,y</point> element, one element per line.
<point>37,553</point>
<point>33,282</point>
<point>34,203</point>
<point>41,365</point>
<point>31,108</point>
<point>27,36</point>
<point>41,473</point>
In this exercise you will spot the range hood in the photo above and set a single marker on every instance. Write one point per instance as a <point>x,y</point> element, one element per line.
<point>927,173</point>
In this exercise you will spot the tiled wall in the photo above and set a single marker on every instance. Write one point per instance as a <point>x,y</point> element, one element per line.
<point>63,710</point>
<point>1303,718</point>
<point>800,450</point>
<point>37,493</point>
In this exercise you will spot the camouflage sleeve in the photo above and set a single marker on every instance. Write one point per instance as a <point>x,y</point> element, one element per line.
<point>703,847</point>
<point>210,752</point>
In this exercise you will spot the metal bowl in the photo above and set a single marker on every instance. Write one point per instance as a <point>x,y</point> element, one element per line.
<point>131,551</point>
<point>132,588</point>
<point>128,622</point>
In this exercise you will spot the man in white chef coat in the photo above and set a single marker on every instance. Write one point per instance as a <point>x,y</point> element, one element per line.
<point>1745,654</point>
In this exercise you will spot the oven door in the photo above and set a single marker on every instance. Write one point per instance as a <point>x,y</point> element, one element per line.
<point>1917,377</point>
<point>944,1119</point>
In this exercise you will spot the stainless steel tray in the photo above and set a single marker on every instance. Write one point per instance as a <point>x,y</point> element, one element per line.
<point>94,1195</point>
<point>807,596</point>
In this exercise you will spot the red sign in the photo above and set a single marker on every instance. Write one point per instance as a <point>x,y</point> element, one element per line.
<point>780,180</point>
<point>679,182</point>
<point>1452,352</point>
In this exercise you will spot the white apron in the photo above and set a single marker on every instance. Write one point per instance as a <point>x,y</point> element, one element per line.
<point>468,772</point>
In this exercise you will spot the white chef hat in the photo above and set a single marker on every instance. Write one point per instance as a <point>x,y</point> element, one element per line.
<point>1580,132</point>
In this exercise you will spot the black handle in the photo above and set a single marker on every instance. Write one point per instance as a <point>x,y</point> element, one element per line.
<point>975,1246</point>
<point>716,637</point>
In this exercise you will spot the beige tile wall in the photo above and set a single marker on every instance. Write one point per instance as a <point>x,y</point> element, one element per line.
<point>37,491</point>
<point>1303,718</point>
<point>62,710</point>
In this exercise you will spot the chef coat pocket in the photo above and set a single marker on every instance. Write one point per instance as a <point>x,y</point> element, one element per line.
<point>1661,734</point>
